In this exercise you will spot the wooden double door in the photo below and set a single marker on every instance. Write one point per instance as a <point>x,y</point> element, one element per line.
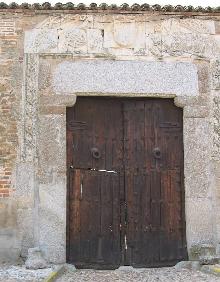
<point>125,183</point>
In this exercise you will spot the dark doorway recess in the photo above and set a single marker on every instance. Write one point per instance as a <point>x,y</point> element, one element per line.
<point>125,200</point>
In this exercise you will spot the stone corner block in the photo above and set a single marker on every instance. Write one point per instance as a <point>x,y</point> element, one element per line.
<point>35,259</point>
<point>67,100</point>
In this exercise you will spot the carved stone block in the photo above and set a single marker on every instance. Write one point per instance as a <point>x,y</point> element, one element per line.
<point>125,35</point>
<point>95,40</point>
<point>179,44</point>
<point>73,40</point>
<point>173,25</point>
<point>41,41</point>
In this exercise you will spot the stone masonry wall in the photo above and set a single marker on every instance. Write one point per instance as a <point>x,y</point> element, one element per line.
<point>39,48</point>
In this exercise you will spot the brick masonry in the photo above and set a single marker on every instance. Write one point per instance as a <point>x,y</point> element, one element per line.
<point>8,122</point>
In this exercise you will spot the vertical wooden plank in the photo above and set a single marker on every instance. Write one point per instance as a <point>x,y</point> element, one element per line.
<point>74,212</point>
<point>155,230</point>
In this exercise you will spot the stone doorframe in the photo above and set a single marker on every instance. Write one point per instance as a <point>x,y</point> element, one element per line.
<point>41,169</point>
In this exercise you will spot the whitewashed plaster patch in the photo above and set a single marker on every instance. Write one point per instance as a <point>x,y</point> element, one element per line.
<point>125,77</point>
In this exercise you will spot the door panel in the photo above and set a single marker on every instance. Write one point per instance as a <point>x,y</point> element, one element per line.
<point>94,234</point>
<point>125,184</point>
<point>95,127</point>
<point>153,183</point>
<point>95,162</point>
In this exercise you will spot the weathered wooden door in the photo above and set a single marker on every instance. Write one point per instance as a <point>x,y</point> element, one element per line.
<point>125,183</point>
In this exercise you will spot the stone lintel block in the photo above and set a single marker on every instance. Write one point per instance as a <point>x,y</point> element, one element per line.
<point>108,76</point>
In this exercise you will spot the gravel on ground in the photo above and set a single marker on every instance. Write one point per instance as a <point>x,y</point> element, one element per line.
<point>18,273</point>
<point>168,274</point>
